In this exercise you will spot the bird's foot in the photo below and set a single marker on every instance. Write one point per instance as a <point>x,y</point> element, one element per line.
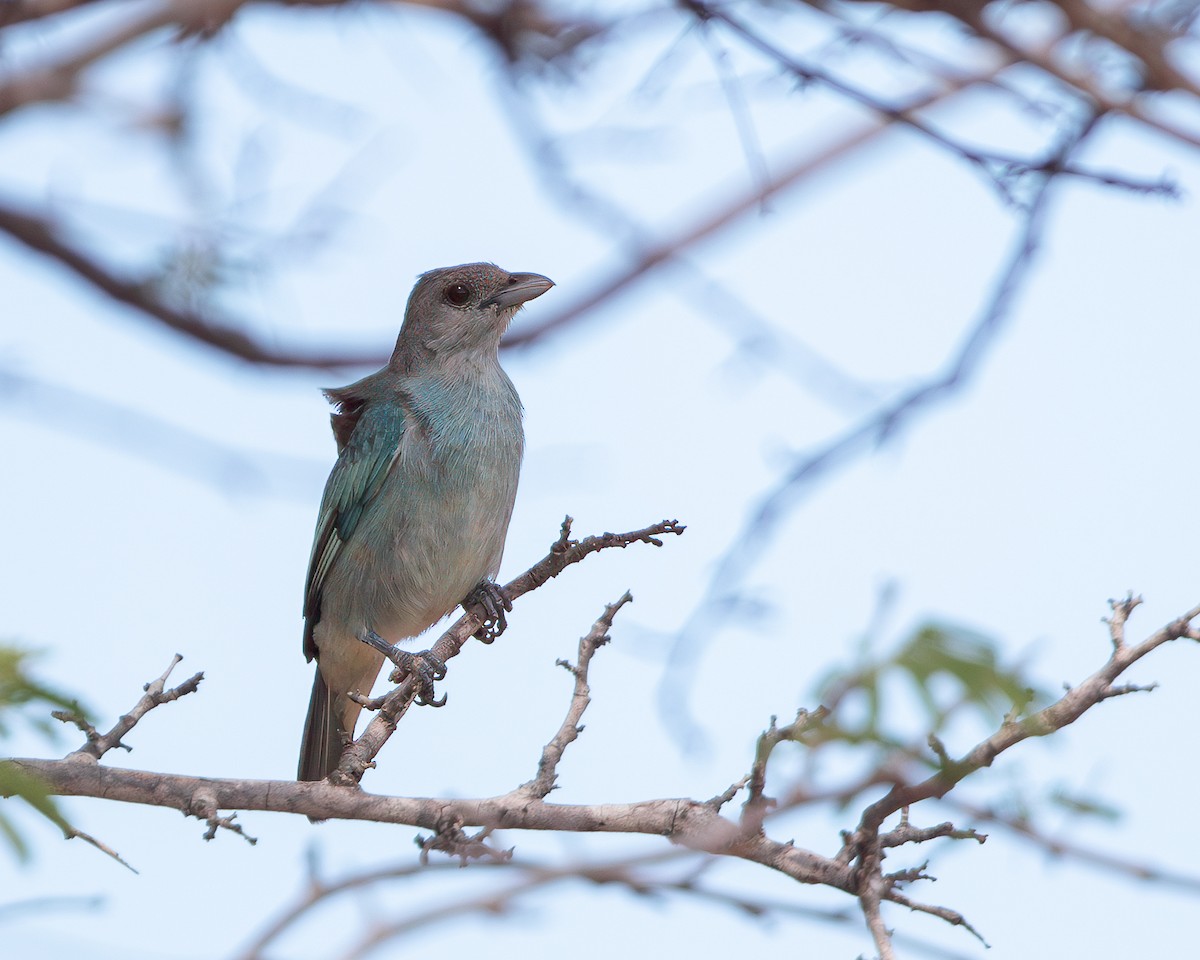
<point>425,668</point>
<point>491,596</point>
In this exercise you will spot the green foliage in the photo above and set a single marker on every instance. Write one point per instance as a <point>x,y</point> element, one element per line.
<point>24,699</point>
<point>951,673</point>
<point>903,702</point>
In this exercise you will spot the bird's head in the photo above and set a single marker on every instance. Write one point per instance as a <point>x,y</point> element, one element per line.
<point>463,309</point>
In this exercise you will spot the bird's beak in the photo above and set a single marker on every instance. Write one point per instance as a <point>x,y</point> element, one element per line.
<point>521,287</point>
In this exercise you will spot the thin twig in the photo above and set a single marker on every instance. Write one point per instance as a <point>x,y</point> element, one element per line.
<point>98,745</point>
<point>802,169</point>
<point>874,431</point>
<point>547,772</point>
<point>564,552</point>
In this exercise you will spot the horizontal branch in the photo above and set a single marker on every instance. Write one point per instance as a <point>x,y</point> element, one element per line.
<point>690,823</point>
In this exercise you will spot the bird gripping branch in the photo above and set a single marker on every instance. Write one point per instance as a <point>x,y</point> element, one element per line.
<point>415,511</point>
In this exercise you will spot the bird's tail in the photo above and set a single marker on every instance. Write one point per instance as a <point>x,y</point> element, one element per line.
<point>321,748</point>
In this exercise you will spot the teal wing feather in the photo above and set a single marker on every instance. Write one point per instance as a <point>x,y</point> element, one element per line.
<point>357,477</point>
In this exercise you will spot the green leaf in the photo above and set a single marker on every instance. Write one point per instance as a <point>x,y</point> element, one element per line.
<point>24,698</point>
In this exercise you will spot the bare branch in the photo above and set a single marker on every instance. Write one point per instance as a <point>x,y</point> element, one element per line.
<point>952,917</point>
<point>1018,51</point>
<point>634,873</point>
<point>799,170</point>
<point>73,834</point>
<point>999,168</point>
<point>1070,707</point>
<point>563,553</point>
<point>547,773</point>
<point>687,822</point>
<point>695,825</point>
<point>155,695</point>
<point>758,805</point>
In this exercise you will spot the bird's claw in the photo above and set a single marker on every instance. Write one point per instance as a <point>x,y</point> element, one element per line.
<point>425,668</point>
<point>495,602</point>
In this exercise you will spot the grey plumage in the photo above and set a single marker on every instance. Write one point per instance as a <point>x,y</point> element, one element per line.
<point>416,509</point>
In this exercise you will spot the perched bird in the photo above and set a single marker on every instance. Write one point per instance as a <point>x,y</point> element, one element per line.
<point>415,512</point>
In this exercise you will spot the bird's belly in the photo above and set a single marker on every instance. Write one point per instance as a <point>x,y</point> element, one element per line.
<point>419,557</point>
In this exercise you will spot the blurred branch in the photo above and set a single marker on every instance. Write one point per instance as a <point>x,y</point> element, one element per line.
<point>718,601</point>
<point>617,873</point>
<point>1002,169</point>
<point>637,874</point>
<point>523,30</point>
<point>519,29</point>
<point>22,11</point>
<point>43,236</point>
<point>654,254</point>
<point>1071,852</point>
<point>58,79</point>
<point>162,442</point>
<point>1149,50</point>
<point>22,909</point>
<point>754,334</point>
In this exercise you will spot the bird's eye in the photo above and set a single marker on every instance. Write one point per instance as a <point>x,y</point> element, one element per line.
<point>457,294</point>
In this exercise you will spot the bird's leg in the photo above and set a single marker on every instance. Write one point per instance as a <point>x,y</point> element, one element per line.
<point>491,596</point>
<point>425,668</point>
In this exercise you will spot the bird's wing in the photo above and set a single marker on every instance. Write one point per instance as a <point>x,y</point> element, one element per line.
<point>366,456</point>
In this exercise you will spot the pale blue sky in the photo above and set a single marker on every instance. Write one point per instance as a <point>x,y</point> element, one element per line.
<point>1065,474</point>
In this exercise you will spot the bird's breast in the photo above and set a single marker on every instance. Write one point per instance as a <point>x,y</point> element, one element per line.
<point>439,523</point>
